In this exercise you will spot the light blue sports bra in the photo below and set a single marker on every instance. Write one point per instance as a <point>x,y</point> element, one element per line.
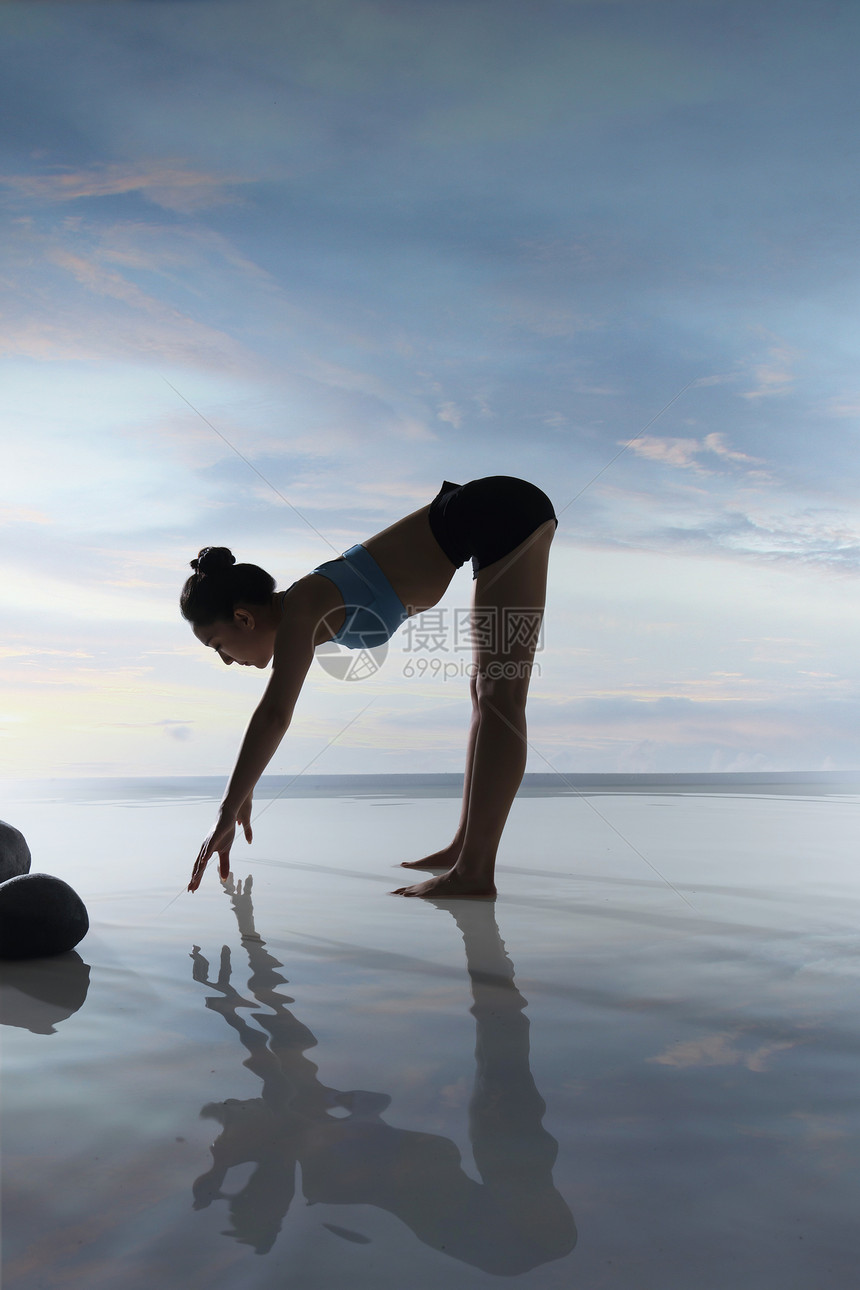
<point>373,609</point>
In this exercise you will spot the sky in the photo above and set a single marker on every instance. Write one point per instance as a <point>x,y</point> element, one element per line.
<point>273,270</point>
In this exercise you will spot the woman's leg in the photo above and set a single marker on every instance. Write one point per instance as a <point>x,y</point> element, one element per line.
<point>510,592</point>
<point>448,856</point>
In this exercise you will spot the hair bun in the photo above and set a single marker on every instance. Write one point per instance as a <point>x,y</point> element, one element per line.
<point>213,559</point>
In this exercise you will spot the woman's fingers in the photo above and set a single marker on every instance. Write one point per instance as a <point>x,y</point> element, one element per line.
<point>203,858</point>
<point>200,866</point>
<point>220,840</point>
<point>244,817</point>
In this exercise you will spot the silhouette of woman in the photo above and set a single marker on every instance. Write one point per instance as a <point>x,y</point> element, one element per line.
<point>506,525</point>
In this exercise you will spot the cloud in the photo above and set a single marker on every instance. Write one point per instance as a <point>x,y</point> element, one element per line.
<point>715,710</point>
<point>716,444</point>
<point>686,454</point>
<point>22,515</point>
<point>33,652</point>
<point>808,536</point>
<point>173,187</point>
<point>176,731</point>
<point>774,375</point>
<point>542,317</point>
<point>452,414</point>
<point>845,407</point>
<point>179,730</point>
<point>104,282</point>
<point>681,453</point>
<point>720,1050</point>
<point>746,725</point>
<point>68,304</point>
<point>734,516</point>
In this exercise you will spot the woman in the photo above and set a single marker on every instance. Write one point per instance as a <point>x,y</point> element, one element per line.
<point>506,525</point>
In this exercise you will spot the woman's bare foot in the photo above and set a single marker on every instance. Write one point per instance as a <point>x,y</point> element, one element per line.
<point>444,859</point>
<point>448,885</point>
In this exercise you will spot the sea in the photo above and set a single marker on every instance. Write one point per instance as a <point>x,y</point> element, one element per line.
<point>637,1068</point>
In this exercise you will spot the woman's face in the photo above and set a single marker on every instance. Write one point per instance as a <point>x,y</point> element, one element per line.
<point>243,641</point>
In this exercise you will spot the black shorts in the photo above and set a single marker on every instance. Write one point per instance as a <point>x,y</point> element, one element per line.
<point>487,518</point>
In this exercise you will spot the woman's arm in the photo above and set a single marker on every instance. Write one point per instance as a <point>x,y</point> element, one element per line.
<point>294,652</point>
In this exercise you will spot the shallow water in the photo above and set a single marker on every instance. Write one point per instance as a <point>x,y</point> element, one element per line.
<point>637,1068</point>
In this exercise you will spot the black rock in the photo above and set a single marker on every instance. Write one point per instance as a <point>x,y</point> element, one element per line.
<point>40,916</point>
<point>14,853</point>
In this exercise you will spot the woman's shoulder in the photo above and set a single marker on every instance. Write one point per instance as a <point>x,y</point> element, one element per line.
<point>312,592</point>
<point>310,600</point>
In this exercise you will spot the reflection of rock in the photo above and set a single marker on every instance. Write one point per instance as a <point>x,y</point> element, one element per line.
<point>40,916</point>
<point>14,852</point>
<point>40,994</point>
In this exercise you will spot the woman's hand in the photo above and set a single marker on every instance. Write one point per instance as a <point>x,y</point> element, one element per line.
<point>243,817</point>
<point>220,840</point>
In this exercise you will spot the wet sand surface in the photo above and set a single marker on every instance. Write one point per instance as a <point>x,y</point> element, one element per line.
<point>638,1067</point>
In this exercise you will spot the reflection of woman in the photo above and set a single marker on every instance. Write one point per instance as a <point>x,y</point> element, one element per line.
<point>506,525</point>
<point>511,1221</point>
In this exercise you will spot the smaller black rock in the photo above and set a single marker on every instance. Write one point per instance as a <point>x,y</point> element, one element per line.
<point>40,916</point>
<point>14,852</point>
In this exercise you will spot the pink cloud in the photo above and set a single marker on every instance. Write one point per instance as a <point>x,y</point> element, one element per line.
<point>686,454</point>
<point>169,185</point>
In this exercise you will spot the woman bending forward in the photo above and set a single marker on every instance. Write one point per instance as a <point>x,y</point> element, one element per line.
<point>506,526</point>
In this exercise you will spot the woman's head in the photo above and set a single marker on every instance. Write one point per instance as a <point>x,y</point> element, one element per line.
<point>229,605</point>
